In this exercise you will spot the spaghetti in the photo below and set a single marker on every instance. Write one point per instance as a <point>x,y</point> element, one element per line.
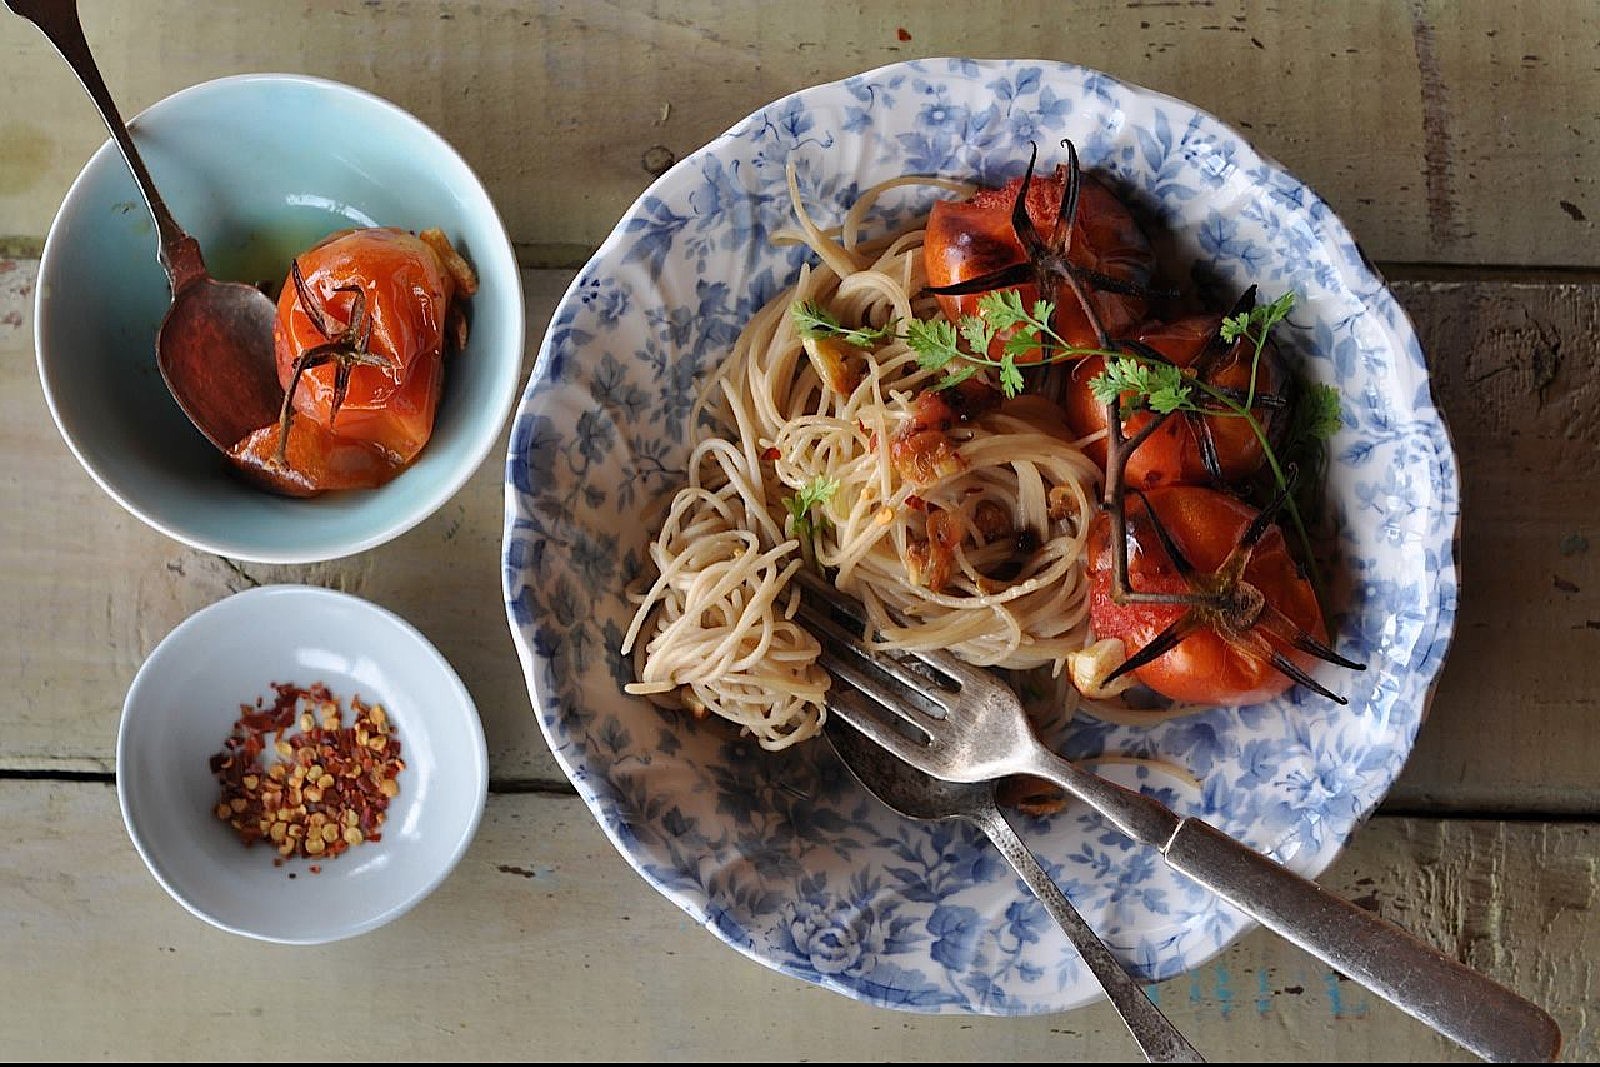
<point>958,519</point>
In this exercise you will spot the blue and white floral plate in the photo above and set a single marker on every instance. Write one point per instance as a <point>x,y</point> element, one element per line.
<point>783,856</point>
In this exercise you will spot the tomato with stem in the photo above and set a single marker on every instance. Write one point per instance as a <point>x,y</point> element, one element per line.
<point>363,326</point>
<point>1210,443</point>
<point>1212,608</point>
<point>1031,235</point>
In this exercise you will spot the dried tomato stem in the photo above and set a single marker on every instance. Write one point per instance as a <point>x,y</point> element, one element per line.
<point>1234,409</point>
<point>1119,447</point>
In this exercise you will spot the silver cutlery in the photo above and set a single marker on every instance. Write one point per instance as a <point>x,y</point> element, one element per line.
<point>214,347</point>
<point>961,724</point>
<point>915,795</point>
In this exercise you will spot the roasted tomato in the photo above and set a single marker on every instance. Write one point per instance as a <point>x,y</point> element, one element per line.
<point>1188,448</point>
<point>364,322</point>
<point>972,239</point>
<point>1251,625</point>
<point>407,288</point>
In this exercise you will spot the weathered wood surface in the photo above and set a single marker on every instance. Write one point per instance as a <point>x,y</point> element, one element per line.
<point>543,945</point>
<point>1447,135</point>
<point>1421,121</point>
<point>95,590</point>
<point>1517,714</point>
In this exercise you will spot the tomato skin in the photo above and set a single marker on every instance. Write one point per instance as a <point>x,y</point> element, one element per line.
<point>408,293</point>
<point>969,238</point>
<point>315,461</point>
<point>1171,455</point>
<point>1205,524</point>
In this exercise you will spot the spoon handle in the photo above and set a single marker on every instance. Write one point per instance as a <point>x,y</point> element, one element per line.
<point>58,21</point>
<point>1157,1037</point>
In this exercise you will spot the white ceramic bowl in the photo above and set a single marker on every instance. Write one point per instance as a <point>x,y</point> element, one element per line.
<point>257,168</point>
<point>182,706</point>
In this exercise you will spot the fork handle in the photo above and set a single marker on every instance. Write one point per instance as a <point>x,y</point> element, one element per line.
<point>1458,1002</point>
<point>1158,1039</point>
<point>1479,1014</point>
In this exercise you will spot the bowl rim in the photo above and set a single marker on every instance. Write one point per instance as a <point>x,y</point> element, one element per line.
<point>481,443</point>
<point>282,592</point>
<point>1332,227</point>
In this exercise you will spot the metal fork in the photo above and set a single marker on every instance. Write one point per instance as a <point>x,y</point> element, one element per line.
<point>958,722</point>
<point>916,795</point>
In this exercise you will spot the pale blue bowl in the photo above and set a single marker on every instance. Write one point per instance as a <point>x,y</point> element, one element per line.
<point>256,168</point>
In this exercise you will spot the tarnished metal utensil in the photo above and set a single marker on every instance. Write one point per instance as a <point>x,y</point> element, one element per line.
<point>921,796</point>
<point>215,345</point>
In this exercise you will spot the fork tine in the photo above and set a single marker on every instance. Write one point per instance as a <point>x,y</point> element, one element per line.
<point>888,683</point>
<point>821,601</point>
<point>888,697</point>
<point>871,719</point>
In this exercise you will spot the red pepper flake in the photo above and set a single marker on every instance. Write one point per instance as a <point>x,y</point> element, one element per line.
<point>903,34</point>
<point>329,785</point>
<point>916,503</point>
<point>772,454</point>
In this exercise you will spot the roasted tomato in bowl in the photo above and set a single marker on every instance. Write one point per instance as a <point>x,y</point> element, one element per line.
<point>365,321</point>
<point>984,244</point>
<point>1190,447</point>
<point>1216,611</point>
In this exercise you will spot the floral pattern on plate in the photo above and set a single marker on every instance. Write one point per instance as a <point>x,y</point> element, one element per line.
<point>782,855</point>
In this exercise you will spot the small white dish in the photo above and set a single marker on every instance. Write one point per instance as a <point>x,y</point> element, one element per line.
<point>183,704</point>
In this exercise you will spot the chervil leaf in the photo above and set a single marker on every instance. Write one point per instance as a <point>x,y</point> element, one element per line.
<point>813,320</point>
<point>1003,309</point>
<point>1119,376</point>
<point>977,332</point>
<point>1165,399</point>
<point>1258,321</point>
<point>816,322</point>
<point>1165,380</point>
<point>934,342</point>
<point>1022,342</point>
<point>870,336</point>
<point>817,491</point>
<point>958,375</point>
<point>1277,311</point>
<point>1011,382</point>
<point>1323,418</point>
<point>1161,386</point>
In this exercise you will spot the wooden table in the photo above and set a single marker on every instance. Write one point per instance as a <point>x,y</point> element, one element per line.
<point>1460,142</point>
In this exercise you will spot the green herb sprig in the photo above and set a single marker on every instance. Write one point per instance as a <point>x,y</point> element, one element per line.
<point>813,320</point>
<point>1254,325</point>
<point>1161,387</point>
<point>962,351</point>
<point>802,523</point>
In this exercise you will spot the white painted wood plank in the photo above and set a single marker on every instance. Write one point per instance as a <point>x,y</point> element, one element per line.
<point>545,946</point>
<point>94,590</point>
<point>1440,131</point>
